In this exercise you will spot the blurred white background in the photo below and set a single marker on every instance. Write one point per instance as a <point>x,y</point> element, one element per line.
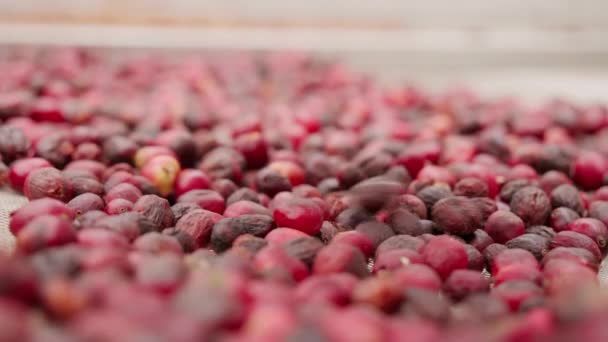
<point>534,49</point>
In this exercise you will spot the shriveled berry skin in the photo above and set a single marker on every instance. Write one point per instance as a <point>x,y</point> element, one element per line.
<point>402,221</point>
<point>532,205</point>
<point>128,224</point>
<point>181,209</point>
<point>351,217</point>
<point>328,232</point>
<point>89,219</point>
<point>433,194</point>
<point>471,187</point>
<point>456,215</point>
<point>226,230</point>
<point>427,227</point>
<point>562,217</point>
<point>340,257</point>
<point>486,206</point>
<point>243,194</point>
<point>117,178</point>
<point>249,243</point>
<point>181,142</point>
<point>553,179</point>
<point>304,249</point>
<point>85,202</point>
<point>599,210</point>
<point>328,185</point>
<point>373,193</point>
<point>578,240</point>
<point>119,206</point>
<point>184,239</point>
<point>13,143</point>
<point>77,174</point>
<point>490,253</point>
<point>246,208</point>
<point>119,149</point>
<point>206,199</point>
<point>223,162</point>
<point>376,232</point>
<point>87,151</point>
<point>56,148</point>
<point>47,182</point>
<point>503,226</point>
<point>198,224</point>
<point>533,243</point>
<point>95,168</point>
<point>475,258</point>
<point>522,171</point>
<point>298,213</point>
<point>125,191</point>
<point>156,209</point>
<point>83,185</point>
<point>271,182</point>
<point>591,227</point>
<point>410,202</point>
<point>480,240</point>
<point>20,169</point>
<point>401,242</point>
<point>348,175</point>
<point>566,195</point>
<point>462,283</point>
<point>511,187</point>
<point>445,254</point>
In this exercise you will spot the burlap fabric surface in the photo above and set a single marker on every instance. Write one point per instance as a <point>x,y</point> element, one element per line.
<point>10,201</point>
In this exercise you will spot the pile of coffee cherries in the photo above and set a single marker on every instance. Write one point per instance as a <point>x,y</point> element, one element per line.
<point>275,197</point>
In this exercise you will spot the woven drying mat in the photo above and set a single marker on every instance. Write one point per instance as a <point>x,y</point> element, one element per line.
<point>10,201</point>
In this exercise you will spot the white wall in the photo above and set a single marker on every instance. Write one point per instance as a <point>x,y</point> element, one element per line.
<point>426,13</point>
<point>525,46</point>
